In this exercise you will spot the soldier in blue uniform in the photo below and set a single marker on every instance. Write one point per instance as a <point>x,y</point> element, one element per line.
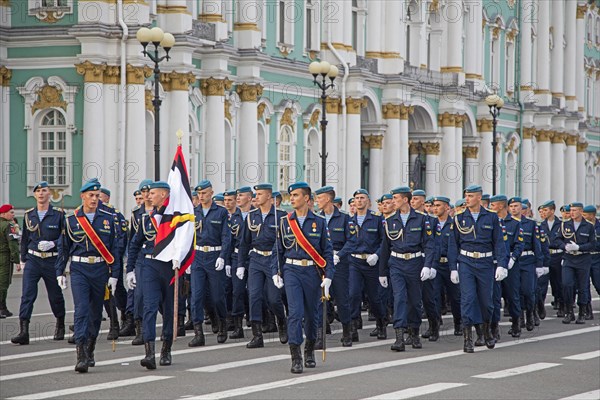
<point>90,241</point>
<point>551,225</point>
<point>486,200</point>
<point>417,200</point>
<point>364,264</point>
<point>340,226</point>
<point>577,238</point>
<point>442,226</point>
<point>304,261</point>
<point>511,286</point>
<point>256,251</point>
<point>338,202</point>
<point>156,280</point>
<point>589,213</point>
<point>543,276</point>
<point>213,247</point>
<point>42,226</point>
<point>407,253</point>
<point>479,241</point>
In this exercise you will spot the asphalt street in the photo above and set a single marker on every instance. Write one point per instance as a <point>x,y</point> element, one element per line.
<point>554,361</point>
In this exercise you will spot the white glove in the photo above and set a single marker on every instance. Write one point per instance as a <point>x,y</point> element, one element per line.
<point>21,267</point>
<point>112,285</point>
<point>188,270</point>
<point>432,273</point>
<point>326,284</point>
<point>454,277</point>
<point>572,246</point>
<point>546,270</point>
<point>383,281</point>
<point>62,282</point>
<point>45,245</point>
<point>130,280</point>
<point>511,263</point>
<point>336,259</point>
<point>277,281</point>
<point>372,259</point>
<point>176,264</point>
<point>228,271</point>
<point>220,264</point>
<point>501,273</point>
<point>539,272</point>
<point>562,263</point>
<point>425,273</point>
<point>239,272</point>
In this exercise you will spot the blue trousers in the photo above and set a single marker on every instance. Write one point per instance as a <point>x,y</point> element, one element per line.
<point>88,284</point>
<point>205,276</point>
<point>431,295</point>
<point>121,295</point>
<point>512,289</point>
<point>476,291</point>
<point>303,289</point>
<point>362,275</point>
<point>340,292</point>
<point>528,285</point>
<point>407,291</point>
<point>556,276</point>
<point>576,277</point>
<point>239,294</point>
<point>260,284</point>
<point>158,291</point>
<point>452,291</point>
<point>138,294</point>
<point>36,269</point>
<point>595,274</point>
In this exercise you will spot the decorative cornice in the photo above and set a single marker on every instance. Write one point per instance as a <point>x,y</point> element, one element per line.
<point>451,69</point>
<point>112,75</point>
<point>355,104</point>
<point>177,80</point>
<point>460,120</point>
<point>528,133</point>
<point>48,96</point>
<point>4,3</point>
<point>286,118</point>
<point>432,148</point>
<point>581,147</point>
<point>375,141</point>
<point>160,9</point>
<point>215,87</point>
<point>333,105</point>
<point>571,140</point>
<point>544,135</point>
<point>92,73</point>
<point>470,151</point>
<point>260,110</point>
<point>227,107</point>
<point>581,10</point>
<point>249,92</point>
<point>137,75</point>
<point>447,120</point>
<point>391,111</point>
<point>405,111</point>
<point>559,138</point>
<point>148,100</point>
<point>245,26</point>
<point>485,125</point>
<point>211,18</point>
<point>5,76</point>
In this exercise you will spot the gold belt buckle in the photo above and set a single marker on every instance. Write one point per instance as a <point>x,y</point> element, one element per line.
<point>304,263</point>
<point>205,249</point>
<point>476,254</point>
<point>43,255</point>
<point>92,260</point>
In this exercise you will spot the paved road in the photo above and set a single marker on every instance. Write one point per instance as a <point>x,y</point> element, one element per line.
<point>554,361</point>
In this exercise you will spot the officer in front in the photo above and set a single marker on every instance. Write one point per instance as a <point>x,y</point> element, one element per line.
<point>91,242</point>
<point>551,225</point>
<point>42,226</point>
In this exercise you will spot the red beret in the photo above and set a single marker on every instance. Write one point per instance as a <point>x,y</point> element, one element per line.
<point>5,208</point>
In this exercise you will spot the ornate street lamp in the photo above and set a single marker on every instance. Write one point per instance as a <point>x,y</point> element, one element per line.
<point>495,103</point>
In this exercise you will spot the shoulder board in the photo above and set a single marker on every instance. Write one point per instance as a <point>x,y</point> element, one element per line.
<point>420,212</point>
<point>492,211</point>
<point>591,223</point>
<point>253,210</point>
<point>459,212</point>
<point>516,219</point>
<point>136,208</point>
<point>566,220</point>
<point>60,210</point>
<point>343,212</point>
<point>377,213</point>
<point>104,211</point>
<point>117,211</point>
<point>319,216</point>
<point>108,205</point>
<point>30,209</point>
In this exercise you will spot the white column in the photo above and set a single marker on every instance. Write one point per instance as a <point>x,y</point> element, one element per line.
<point>247,34</point>
<point>579,58</point>
<point>212,13</point>
<point>544,188</point>
<point>5,160</point>
<point>471,167</point>
<point>432,161</point>
<point>457,171</point>
<point>542,91</point>
<point>484,126</point>
<point>415,43</point>
<point>376,166</point>
<point>374,32</point>
<point>179,118</point>
<point>334,158</point>
<point>558,168</point>
<point>135,153</point>
<point>526,83</point>
<point>392,63</point>
<point>112,142</point>
<point>571,169</point>
<point>392,148</point>
<point>214,164</point>
<point>453,13</point>
<point>447,170</point>
<point>353,143</point>
<point>571,54</point>
<point>581,189</point>
<point>558,53</point>
<point>435,43</point>
<point>174,16</point>
<point>527,160</point>
<point>405,162</point>
<point>249,171</point>
<point>473,40</point>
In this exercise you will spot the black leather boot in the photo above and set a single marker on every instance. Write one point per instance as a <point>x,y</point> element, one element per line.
<point>238,331</point>
<point>427,333</point>
<point>189,324</point>
<point>23,336</point>
<point>490,342</point>
<point>581,315</point>
<point>354,330</point>
<point>59,329</point>
<point>457,327</point>
<point>309,354</point>
<point>296,358</point>
<point>319,342</point>
<point>214,322</point>
<point>495,331</point>
<point>382,333</point>
<point>569,316</point>
<point>282,329</point>
<point>529,320</point>
<point>90,348</point>
<point>479,330</point>
<point>138,340</point>
<point>536,318</point>
<point>409,339</point>
<point>416,342</point>
<point>560,312</point>
<point>398,345</point>
<point>113,333</point>
<point>165,353</point>
<point>590,313</point>
<point>434,330</point>
<point>222,335</point>
<point>149,361</point>
<point>346,335</point>
<point>257,337</point>
<point>180,326</point>
<point>128,326</point>
<point>515,329</point>
<point>198,339</point>
<point>541,309</point>
<point>82,360</point>
<point>522,319</point>
<point>468,335</point>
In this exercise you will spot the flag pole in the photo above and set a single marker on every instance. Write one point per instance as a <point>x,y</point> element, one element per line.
<point>176,273</point>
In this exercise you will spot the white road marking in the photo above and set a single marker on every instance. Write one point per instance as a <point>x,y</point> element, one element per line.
<point>36,354</point>
<point>506,373</point>
<point>416,391</point>
<point>583,356</point>
<point>91,388</point>
<point>593,395</point>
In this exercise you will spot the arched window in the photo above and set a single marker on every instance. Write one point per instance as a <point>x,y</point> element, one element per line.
<point>312,165</point>
<point>598,31</point>
<point>285,156</point>
<point>53,148</point>
<point>590,28</point>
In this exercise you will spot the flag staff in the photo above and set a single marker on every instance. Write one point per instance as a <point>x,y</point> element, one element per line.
<point>176,272</point>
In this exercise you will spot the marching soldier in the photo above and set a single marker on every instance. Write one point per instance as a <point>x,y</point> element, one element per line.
<point>338,202</point>
<point>304,261</point>
<point>589,213</point>
<point>256,250</point>
<point>565,212</point>
<point>478,238</point>
<point>551,225</point>
<point>91,242</point>
<point>486,201</point>
<point>139,199</point>
<point>407,252</point>
<point>417,200</point>
<point>9,253</point>
<point>41,233</point>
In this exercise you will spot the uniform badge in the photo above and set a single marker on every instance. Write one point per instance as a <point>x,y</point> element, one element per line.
<point>314,226</point>
<point>106,225</point>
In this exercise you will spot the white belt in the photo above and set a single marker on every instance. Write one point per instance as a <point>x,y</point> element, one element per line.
<point>43,254</point>
<point>444,260</point>
<point>236,251</point>
<point>208,249</point>
<point>576,253</point>
<point>360,256</point>
<point>302,263</point>
<point>476,254</point>
<point>527,253</point>
<point>555,251</point>
<point>87,260</point>
<point>407,256</point>
<point>149,256</point>
<point>266,253</point>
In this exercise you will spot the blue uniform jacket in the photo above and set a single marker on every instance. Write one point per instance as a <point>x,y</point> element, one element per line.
<point>545,243</point>
<point>258,234</point>
<point>483,236</point>
<point>213,230</point>
<point>584,236</point>
<point>340,225</point>
<point>440,241</point>
<point>366,239</point>
<point>236,222</point>
<point>134,221</point>
<point>122,226</point>
<point>551,233</point>
<point>531,242</point>
<point>514,236</point>
<point>315,230</point>
<point>416,236</point>
<point>142,242</point>
<point>35,231</point>
<point>75,242</point>
<point>597,229</point>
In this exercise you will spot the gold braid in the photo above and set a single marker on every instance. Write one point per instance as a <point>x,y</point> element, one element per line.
<point>464,231</point>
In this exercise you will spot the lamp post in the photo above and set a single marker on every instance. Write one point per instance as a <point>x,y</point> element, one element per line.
<point>158,38</point>
<point>495,103</point>
<point>325,70</point>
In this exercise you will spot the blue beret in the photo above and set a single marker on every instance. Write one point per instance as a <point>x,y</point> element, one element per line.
<point>419,192</point>
<point>525,201</point>
<point>145,184</point>
<point>460,202</point>
<point>525,206</point>
<point>231,192</point>
<point>451,205</point>
<point>378,200</point>
<point>386,196</point>
<point>244,189</point>
<point>277,194</point>
<point>160,185</point>
<point>441,198</point>
<point>549,203</point>
<point>350,200</point>
<point>589,209</point>
<point>324,189</point>
<point>205,184</point>
<point>576,204</point>
<point>485,196</point>
<point>565,208</point>
<point>401,189</point>
<point>92,184</point>
<point>361,191</point>
<point>218,197</point>
<point>429,200</point>
<point>39,185</point>
<point>298,185</point>
<point>105,191</point>
<point>137,192</point>
<point>194,193</point>
<point>497,198</point>
<point>514,200</point>
<point>337,200</point>
<point>473,189</point>
<point>263,186</point>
